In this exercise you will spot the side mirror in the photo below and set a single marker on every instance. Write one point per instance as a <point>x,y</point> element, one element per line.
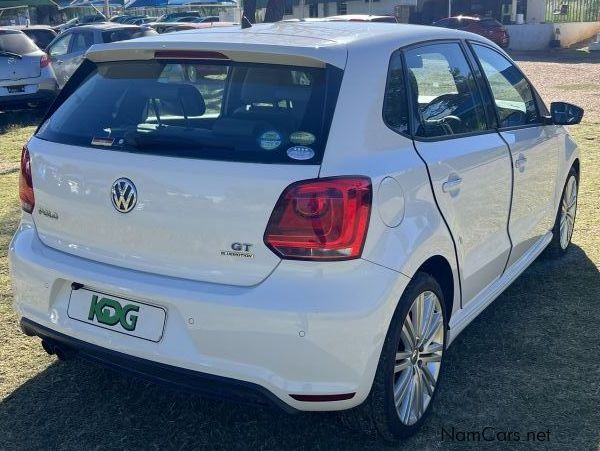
<point>565,113</point>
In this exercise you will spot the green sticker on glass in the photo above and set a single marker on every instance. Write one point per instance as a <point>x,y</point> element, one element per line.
<point>302,138</point>
<point>270,140</point>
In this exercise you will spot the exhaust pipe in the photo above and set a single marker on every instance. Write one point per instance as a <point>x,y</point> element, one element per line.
<point>48,347</point>
<point>61,352</point>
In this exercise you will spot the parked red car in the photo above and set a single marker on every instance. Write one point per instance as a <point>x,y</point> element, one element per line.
<point>483,26</point>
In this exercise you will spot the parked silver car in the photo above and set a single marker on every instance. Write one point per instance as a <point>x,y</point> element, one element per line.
<point>66,52</point>
<point>26,77</point>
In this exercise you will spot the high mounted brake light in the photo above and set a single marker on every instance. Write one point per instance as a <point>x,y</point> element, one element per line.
<point>26,183</point>
<point>321,219</point>
<point>188,55</point>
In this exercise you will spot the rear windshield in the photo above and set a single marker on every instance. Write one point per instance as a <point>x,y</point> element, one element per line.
<point>16,42</point>
<point>224,111</point>
<point>124,34</point>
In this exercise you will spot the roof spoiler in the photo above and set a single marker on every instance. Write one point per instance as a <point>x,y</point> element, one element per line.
<point>258,53</point>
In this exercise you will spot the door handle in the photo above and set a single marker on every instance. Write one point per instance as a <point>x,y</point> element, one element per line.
<point>452,184</point>
<point>59,61</point>
<point>521,162</point>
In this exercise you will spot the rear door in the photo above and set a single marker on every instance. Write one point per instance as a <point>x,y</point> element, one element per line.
<point>80,42</point>
<point>533,146</point>
<point>468,162</point>
<point>58,53</point>
<point>174,168</point>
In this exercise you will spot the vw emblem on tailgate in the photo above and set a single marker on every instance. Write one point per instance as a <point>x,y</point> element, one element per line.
<point>123,195</point>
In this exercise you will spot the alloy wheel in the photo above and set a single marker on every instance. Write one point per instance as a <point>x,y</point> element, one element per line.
<point>418,357</point>
<point>568,209</point>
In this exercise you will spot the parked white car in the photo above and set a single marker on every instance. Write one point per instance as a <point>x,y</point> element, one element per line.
<point>26,77</point>
<point>306,214</point>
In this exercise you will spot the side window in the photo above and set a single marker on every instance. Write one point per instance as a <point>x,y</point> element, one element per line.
<point>444,95</point>
<point>395,104</point>
<point>513,96</point>
<point>81,42</point>
<point>61,46</point>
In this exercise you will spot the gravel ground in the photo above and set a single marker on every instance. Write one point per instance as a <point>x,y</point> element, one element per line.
<point>567,75</point>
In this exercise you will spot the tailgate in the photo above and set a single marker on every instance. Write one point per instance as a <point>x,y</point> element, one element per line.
<point>13,68</point>
<point>194,219</point>
<point>174,166</point>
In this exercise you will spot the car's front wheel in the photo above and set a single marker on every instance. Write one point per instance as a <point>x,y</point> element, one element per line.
<point>411,362</point>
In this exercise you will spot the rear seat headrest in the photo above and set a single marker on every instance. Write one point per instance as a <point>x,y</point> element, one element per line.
<point>179,93</point>
<point>265,84</point>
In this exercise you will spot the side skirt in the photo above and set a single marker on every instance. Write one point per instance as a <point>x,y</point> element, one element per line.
<point>463,317</point>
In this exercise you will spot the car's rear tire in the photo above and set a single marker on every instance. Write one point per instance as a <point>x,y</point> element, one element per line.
<point>564,223</point>
<point>410,365</point>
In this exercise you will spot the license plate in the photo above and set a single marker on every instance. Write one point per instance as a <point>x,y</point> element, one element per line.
<point>117,314</point>
<point>15,89</point>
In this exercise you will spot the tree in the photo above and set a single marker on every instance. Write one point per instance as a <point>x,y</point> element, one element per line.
<point>249,14</point>
<point>274,13</point>
<point>275,10</point>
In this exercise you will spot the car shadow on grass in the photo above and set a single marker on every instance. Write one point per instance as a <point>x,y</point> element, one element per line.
<point>526,364</point>
<point>21,118</point>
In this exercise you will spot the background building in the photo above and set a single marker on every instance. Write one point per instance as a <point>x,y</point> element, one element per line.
<point>532,24</point>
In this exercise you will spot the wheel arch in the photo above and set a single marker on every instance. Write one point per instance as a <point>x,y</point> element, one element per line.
<point>440,269</point>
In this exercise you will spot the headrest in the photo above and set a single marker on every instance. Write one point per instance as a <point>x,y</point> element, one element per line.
<point>179,93</point>
<point>264,84</point>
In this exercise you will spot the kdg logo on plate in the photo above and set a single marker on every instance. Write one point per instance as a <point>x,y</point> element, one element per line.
<point>110,312</point>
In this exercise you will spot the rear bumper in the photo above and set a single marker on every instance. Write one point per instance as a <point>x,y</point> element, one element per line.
<point>310,328</point>
<point>167,375</point>
<point>37,90</point>
<point>22,100</point>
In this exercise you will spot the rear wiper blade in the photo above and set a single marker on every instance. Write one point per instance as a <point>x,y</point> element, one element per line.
<point>11,54</point>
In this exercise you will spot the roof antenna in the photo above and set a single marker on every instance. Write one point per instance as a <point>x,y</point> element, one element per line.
<point>246,22</point>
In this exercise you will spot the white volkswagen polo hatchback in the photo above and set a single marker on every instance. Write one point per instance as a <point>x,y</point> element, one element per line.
<point>305,214</point>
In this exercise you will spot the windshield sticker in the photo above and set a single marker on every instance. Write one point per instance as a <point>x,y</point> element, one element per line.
<point>106,142</point>
<point>300,153</point>
<point>270,140</point>
<point>302,138</point>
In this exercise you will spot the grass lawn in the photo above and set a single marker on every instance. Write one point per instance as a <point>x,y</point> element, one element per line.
<point>528,363</point>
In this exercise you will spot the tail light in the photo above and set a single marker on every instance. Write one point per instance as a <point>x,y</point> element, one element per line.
<point>25,183</point>
<point>321,219</point>
<point>44,61</point>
